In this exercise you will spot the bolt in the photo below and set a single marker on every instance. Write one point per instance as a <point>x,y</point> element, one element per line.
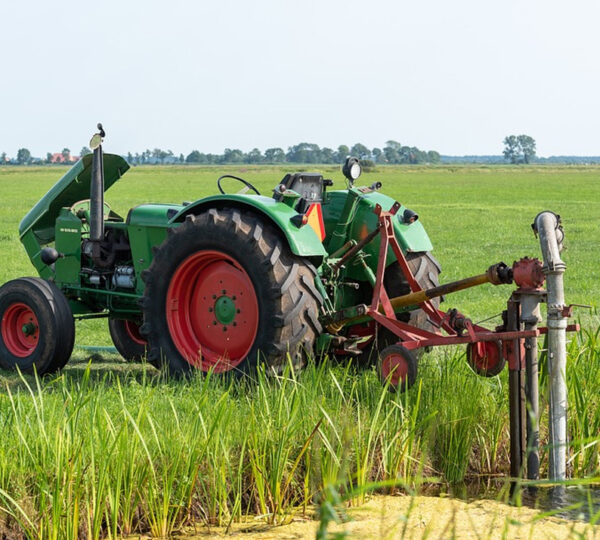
<point>214,296</point>
<point>214,322</point>
<point>233,297</point>
<point>210,310</point>
<point>224,329</point>
<point>234,323</point>
<point>224,291</point>
<point>238,311</point>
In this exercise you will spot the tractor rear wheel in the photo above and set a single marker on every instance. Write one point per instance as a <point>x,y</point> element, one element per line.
<point>37,330</point>
<point>426,270</point>
<point>128,340</point>
<point>224,293</point>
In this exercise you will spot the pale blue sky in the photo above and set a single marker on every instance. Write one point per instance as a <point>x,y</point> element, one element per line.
<point>454,76</point>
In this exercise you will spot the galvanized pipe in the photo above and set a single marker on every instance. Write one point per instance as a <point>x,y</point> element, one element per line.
<point>547,226</point>
<point>97,197</point>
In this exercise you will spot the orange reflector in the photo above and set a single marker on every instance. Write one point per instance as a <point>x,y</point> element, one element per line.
<point>315,220</point>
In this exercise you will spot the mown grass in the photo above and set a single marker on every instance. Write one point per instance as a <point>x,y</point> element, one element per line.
<point>111,449</point>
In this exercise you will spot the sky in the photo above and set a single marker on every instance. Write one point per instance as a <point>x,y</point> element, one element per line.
<point>452,76</point>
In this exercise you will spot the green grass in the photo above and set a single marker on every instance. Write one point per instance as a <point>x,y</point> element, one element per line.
<point>111,449</point>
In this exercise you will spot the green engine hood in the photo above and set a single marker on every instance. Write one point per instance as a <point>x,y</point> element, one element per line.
<point>74,186</point>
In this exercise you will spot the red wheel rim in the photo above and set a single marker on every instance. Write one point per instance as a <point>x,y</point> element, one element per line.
<point>20,330</point>
<point>133,331</point>
<point>395,367</point>
<point>212,311</point>
<point>484,356</point>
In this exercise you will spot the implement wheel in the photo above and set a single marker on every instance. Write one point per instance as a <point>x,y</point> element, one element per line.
<point>37,330</point>
<point>128,340</point>
<point>224,293</point>
<point>486,358</point>
<point>398,366</point>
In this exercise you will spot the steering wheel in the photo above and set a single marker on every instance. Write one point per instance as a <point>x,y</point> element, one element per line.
<point>245,182</point>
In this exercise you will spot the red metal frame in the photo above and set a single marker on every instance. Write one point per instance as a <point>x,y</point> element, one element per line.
<point>413,337</point>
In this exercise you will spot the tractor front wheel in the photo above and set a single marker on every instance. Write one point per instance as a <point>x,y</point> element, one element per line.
<point>37,330</point>
<point>224,292</point>
<point>128,340</point>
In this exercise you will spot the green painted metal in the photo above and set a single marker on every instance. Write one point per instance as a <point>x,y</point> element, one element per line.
<point>147,226</point>
<point>303,241</point>
<point>411,237</point>
<point>68,243</point>
<point>225,310</point>
<point>71,188</point>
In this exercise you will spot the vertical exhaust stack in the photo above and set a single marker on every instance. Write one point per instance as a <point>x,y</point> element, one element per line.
<point>547,226</point>
<point>97,189</point>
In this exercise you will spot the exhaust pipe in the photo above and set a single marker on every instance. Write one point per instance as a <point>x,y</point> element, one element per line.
<point>547,226</point>
<point>97,188</point>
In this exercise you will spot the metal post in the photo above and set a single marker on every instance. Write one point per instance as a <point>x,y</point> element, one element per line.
<point>530,316</point>
<point>547,225</point>
<point>516,393</point>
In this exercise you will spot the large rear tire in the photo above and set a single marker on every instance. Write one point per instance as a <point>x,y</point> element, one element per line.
<point>37,330</point>
<point>224,292</point>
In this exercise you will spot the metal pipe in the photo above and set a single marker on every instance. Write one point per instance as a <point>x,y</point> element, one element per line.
<point>531,316</point>
<point>547,226</point>
<point>97,193</point>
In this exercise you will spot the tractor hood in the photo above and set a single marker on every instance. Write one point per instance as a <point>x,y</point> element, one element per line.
<point>74,186</point>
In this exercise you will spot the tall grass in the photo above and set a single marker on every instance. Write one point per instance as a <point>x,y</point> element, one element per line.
<point>96,453</point>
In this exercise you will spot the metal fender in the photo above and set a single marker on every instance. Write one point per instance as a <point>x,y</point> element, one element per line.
<point>303,240</point>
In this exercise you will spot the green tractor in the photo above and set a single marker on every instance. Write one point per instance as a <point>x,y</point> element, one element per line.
<point>223,283</point>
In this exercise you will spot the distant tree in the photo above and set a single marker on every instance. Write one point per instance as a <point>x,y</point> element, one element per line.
<point>86,151</point>
<point>342,153</point>
<point>527,145</point>
<point>304,153</point>
<point>433,156</point>
<point>511,149</point>
<point>48,157</point>
<point>327,155</point>
<point>232,156</point>
<point>193,157</point>
<point>181,158</point>
<point>360,151</point>
<point>66,154</point>
<point>378,155</point>
<point>519,148</point>
<point>23,156</point>
<point>2,158</point>
<point>392,152</point>
<point>274,155</point>
<point>254,156</point>
<point>129,156</point>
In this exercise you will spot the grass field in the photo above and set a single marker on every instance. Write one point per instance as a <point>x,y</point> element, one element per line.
<point>111,449</point>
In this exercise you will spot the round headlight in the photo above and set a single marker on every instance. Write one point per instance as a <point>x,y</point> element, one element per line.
<point>351,169</point>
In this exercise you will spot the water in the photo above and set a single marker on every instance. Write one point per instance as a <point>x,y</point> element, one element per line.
<point>579,502</point>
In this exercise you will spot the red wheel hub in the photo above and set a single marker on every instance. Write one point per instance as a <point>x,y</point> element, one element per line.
<point>484,356</point>
<point>212,311</point>
<point>394,366</point>
<point>20,330</point>
<point>133,331</point>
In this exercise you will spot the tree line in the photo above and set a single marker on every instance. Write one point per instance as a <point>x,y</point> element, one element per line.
<point>393,153</point>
